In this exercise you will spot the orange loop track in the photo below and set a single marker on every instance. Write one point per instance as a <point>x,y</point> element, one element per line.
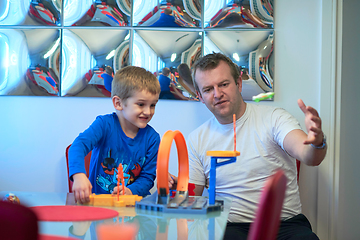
<point>163,161</point>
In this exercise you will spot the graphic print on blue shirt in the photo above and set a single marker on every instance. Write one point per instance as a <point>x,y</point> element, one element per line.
<point>108,179</point>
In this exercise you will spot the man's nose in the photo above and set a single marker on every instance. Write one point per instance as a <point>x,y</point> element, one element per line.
<point>217,92</point>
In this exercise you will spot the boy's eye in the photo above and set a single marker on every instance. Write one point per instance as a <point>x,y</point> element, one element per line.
<point>140,104</point>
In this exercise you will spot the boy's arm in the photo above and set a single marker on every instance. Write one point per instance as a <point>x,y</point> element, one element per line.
<point>81,146</point>
<point>81,188</point>
<point>145,181</point>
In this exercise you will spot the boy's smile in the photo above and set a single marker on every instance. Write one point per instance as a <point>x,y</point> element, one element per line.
<point>136,111</point>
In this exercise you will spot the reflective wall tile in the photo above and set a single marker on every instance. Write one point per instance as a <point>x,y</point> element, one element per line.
<point>73,48</point>
<point>180,48</point>
<point>238,14</point>
<point>29,62</point>
<point>89,59</point>
<point>252,51</point>
<point>21,12</point>
<point>153,13</point>
<point>97,12</point>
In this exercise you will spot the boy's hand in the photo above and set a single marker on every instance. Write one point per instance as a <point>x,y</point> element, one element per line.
<point>127,191</point>
<point>81,188</point>
<point>172,181</point>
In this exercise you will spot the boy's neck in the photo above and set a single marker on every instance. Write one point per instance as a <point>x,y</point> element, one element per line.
<point>129,129</point>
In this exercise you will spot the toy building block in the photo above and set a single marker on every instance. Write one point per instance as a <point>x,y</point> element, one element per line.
<point>108,200</point>
<point>263,96</point>
<point>215,156</point>
<point>127,200</point>
<point>161,201</point>
<point>227,157</point>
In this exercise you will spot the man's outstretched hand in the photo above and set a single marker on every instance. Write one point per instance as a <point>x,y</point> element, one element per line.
<point>315,134</point>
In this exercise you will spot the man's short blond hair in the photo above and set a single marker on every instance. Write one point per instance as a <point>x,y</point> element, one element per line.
<point>210,62</point>
<point>130,79</point>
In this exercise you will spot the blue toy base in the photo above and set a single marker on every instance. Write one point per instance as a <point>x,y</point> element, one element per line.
<point>191,205</point>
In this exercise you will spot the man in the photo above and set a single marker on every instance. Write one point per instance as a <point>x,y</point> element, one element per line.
<point>166,20</point>
<point>165,83</point>
<point>268,138</point>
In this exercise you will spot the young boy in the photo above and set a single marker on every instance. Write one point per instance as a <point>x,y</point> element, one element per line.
<point>121,137</point>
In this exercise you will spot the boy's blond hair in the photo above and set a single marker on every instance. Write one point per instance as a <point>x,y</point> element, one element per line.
<point>130,79</point>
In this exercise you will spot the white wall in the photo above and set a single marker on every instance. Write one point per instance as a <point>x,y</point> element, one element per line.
<point>34,131</point>
<point>297,70</point>
<point>348,162</point>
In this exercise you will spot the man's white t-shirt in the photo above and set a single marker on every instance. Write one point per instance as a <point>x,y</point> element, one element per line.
<point>260,133</point>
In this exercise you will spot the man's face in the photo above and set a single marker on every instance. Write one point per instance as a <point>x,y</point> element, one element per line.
<point>219,92</point>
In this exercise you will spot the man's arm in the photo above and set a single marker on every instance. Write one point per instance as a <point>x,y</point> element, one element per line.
<point>198,190</point>
<point>307,147</point>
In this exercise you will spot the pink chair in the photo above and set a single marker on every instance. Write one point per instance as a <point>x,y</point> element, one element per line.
<point>267,219</point>
<point>17,222</point>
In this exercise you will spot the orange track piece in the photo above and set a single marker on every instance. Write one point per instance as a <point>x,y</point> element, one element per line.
<point>163,161</point>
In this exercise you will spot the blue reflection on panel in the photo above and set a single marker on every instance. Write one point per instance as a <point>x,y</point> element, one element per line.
<point>14,60</point>
<point>75,10</point>
<point>121,56</point>
<point>77,60</point>
<point>238,14</point>
<point>4,61</point>
<point>30,12</point>
<point>44,13</point>
<point>13,12</point>
<point>184,13</point>
<point>143,55</point>
<point>96,13</point>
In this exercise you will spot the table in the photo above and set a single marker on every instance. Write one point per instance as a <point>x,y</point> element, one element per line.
<point>154,225</point>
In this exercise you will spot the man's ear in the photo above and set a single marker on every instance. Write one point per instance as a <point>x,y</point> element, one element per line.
<point>239,83</point>
<point>199,96</point>
<point>118,104</point>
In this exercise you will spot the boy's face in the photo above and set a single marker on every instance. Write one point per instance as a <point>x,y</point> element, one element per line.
<point>137,110</point>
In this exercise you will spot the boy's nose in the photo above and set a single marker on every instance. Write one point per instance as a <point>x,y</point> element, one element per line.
<point>147,110</point>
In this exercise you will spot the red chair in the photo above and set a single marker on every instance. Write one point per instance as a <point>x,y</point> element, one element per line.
<point>17,222</point>
<point>267,219</point>
<point>298,169</point>
<point>87,166</point>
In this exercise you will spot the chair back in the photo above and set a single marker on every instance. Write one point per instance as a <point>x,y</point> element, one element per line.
<point>17,222</point>
<point>267,219</point>
<point>298,169</point>
<point>87,166</point>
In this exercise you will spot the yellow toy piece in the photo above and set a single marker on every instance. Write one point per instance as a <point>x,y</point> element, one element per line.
<point>109,200</point>
<point>223,153</point>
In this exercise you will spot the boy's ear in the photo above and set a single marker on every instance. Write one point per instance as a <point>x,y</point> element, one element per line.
<point>118,105</point>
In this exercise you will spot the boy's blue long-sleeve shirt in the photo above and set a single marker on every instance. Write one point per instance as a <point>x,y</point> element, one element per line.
<point>110,147</point>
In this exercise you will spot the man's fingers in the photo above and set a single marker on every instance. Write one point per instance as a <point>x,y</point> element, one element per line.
<point>312,111</point>
<point>316,119</point>
<point>302,105</point>
<point>316,130</point>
